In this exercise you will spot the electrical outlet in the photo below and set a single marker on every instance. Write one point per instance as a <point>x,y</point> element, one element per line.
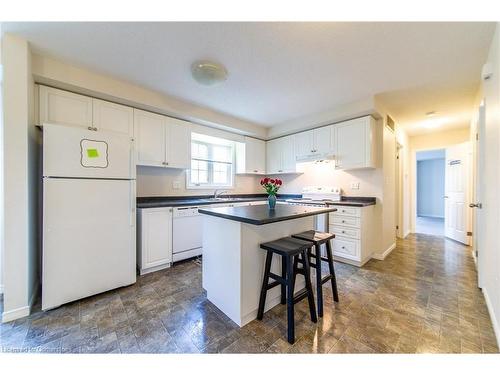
<point>176,184</point>
<point>355,185</point>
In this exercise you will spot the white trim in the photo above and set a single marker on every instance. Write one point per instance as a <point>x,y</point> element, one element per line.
<point>406,233</point>
<point>494,322</point>
<point>21,312</point>
<point>382,256</point>
<point>432,216</point>
<point>1,289</point>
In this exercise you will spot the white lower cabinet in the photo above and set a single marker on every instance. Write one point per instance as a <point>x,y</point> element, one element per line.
<point>355,240</point>
<point>154,239</point>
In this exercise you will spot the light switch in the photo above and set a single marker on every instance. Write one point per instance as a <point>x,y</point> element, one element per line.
<point>355,185</point>
<point>176,184</point>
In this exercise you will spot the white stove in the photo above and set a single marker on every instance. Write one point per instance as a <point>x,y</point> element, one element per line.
<point>317,196</point>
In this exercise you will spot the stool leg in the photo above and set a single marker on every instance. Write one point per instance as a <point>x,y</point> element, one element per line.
<point>319,284</point>
<point>310,295</point>
<point>265,281</point>
<point>289,297</point>
<point>283,275</point>
<point>332,271</point>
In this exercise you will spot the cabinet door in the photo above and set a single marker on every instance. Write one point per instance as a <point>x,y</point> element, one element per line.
<point>255,155</point>
<point>149,131</point>
<point>273,156</point>
<point>156,237</point>
<point>178,143</point>
<point>304,146</point>
<point>63,107</point>
<point>322,140</point>
<point>113,117</point>
<point>351,144</point>
<point>288,159</point>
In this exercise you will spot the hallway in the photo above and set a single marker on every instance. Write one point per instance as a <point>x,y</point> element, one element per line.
<point>421,299</point>
<point>429,225</point>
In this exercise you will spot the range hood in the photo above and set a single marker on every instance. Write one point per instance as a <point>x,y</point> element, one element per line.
<point>315,157</point>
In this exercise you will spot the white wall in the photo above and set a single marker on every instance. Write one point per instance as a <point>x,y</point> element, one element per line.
<point>430,187</point>
<point>20,177</point>
<point>489,254</point>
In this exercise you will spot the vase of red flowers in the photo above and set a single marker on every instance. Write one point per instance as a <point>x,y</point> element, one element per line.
<point>271,185</point>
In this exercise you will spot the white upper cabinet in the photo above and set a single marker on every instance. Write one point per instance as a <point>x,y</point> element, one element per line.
<point>178,143</point>
<point>314,143</point>
<point>64,107</point>
<point>251,156</point>
<point>149,138</point>
<point>113,117</point>
<point>281,155</point>
<point>354,140</point>
<point>162,141</point>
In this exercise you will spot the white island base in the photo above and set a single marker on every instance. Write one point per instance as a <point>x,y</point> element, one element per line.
<point>233,263</point>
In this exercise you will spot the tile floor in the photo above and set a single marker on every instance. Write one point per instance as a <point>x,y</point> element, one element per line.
<point>430,225</point>
<point>421,299</point>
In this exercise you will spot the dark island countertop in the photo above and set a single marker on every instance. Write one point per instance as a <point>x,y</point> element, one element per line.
<point>259,215</point>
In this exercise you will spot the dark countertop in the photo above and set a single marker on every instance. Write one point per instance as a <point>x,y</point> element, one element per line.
<point>151,202</point>
<point>261,214</point>
<point>355,201</point>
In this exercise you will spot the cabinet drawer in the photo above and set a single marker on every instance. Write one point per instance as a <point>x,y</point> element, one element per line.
<point>345,231</point>
<point>348,211</point>
<point>347,221</point>
<point>345,247</point>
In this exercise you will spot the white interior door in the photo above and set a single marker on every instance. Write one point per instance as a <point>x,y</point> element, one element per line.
<point>455,219</point>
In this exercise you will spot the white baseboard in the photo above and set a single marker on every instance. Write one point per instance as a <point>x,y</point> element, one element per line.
<point>494,322</point>
<point>10,315</point>
<point>407,233</point>
<point>21,312</point>
<point>432,216</point>
<point>382,256</point>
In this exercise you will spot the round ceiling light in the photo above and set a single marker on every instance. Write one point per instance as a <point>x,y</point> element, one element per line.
<point>208,73</point>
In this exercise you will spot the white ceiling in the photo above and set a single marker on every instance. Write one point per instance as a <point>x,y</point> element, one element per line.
<point>282,71</point>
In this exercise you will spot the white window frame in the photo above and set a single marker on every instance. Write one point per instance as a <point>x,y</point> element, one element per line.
<point>210,184</point>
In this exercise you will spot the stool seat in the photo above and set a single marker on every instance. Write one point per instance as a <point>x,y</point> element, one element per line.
<point>286,246</point>
<point>314,236</point>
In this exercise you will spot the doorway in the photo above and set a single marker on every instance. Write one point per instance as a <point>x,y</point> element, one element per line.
<point>430,192</point>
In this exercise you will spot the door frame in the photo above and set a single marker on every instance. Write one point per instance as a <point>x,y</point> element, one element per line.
<point>399,174</point>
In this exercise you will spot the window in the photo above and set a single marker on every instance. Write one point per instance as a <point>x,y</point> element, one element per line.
<point>212,162</point>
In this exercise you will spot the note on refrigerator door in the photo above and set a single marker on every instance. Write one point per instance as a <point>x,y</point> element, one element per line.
<point>94,153</point>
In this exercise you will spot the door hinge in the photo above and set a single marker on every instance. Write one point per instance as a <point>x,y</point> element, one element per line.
<point>469,234</point>
<point>477,136</point>
<point>397,226</point>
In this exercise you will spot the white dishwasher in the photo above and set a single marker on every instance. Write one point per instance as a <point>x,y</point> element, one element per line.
<point>186,233</point>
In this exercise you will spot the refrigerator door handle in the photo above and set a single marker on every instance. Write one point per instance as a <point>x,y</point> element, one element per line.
<point>132,203</point>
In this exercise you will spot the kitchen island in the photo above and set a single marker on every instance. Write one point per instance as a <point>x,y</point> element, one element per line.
<point>233,263</point>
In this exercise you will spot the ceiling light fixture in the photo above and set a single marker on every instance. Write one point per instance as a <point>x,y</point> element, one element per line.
<point>208,73</point>
<point>431,113</point>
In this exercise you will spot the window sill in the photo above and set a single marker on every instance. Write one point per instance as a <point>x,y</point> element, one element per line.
<point>210,187</point>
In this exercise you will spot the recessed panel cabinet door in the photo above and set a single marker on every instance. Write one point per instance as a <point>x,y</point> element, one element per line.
<point>64,108</point>
<point>288,161</point>
<point>156,237</point>
<point>273,156</point>
<point>351,144</point>
<point>113,117</point>
<point>178,143</point>
<point>255,155</point>
<point>304,144</point>
<point>322,140</point>
<point>150,135</point>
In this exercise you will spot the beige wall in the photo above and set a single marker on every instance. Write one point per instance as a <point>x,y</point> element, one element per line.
<point>435,140</point>
<point>20,202</point>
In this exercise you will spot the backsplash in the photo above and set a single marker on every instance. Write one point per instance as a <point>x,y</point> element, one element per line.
<point>154,181</point>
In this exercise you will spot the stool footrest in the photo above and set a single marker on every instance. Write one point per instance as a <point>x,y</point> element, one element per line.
<point>300,296</point>
<point>326,279</point>
<point>278,278</point>
<point>272,285</point>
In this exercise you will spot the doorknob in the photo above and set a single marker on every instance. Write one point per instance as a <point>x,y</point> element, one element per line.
<point>476,205</point>
<point>446,197</point>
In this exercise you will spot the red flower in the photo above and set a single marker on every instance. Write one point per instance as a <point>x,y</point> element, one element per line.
<point>279,182</point>
<point>272,180</point>
<point>262,181</point>
<point>266,180</point>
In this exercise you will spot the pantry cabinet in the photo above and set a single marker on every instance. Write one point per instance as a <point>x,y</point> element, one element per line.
<point>162,141</point>
<point>64,107</point>
<point>251,156</point>
<point>281,155</point>
<point>154,239</point>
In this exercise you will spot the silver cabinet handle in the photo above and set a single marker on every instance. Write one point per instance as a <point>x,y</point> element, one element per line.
<point>476,205</point>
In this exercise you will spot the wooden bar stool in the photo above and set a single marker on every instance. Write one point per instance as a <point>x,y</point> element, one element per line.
<point>291,250</point>
<point>317,239</point>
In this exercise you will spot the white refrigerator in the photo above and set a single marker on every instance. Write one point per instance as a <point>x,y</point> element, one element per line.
<point>88,213</point>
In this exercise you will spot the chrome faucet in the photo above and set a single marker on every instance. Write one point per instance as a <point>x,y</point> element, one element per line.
<point>218,193</point>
